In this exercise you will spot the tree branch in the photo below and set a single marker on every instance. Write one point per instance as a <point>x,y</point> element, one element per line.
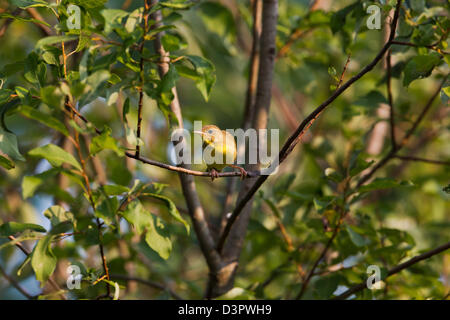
<point>187,181</point>
<point>149,283</point>
<point>296,136</point>
<point>390,99</point>
<point>410,158</point>
<point>15,284</point>
<point>145,16</point>
<point>224,281</point>
<point>249,107</point>
<point>392,153</point>
<point>396,269</point>
<point>188,171</point>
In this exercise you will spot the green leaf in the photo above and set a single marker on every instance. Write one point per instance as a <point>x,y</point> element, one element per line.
<point>219,20</point>
<point>382,183</point>
<point>136,214</point>
<point>43,118</point>
<point>420,67</point>
<point>325,286</point>
<point>357,163</point>
<point>107,209</point>
<point>115,189</point>
<point>29,3</point>
<point>105,141</point>
<point>43,261</point>
<point>177,5</point>
<point>358,239</point>
<point>89,4</point>
<point>83,41</point>
<point>157,237</point>
<point>173,211</point>
<point>321,204</point>
<point>10,16</point>
<point>113,18</point>
<point>31,183</point>
<point>8,145</point>
<point>57,214</point>
<point>54,39</point>
<point>11,228</point>
<point>445,95</point>
<point>6,163</point>
<point>338,19</point>
<point>417,5</point>
<point>205,75</point>
<point>55,155</point>
<point>371,100</point>
<point>333,175</point>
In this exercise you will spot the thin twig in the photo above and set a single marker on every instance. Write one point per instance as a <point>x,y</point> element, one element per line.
<point>296,34</point>
<point>189,171</point>
<point>15,284</point>
<point>145,16</point>
<point>405,139</point>
<point>410,158</point>
<point>149,283</point>
<point>341,78</point>
<point>92,203</point>
<point>409,44</point>
<point>390,99</point>
<point>8,22</point>
<point>396,269</point>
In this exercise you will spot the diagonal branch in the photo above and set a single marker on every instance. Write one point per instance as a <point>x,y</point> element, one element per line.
<point>396,269</point>
<point>418,159</point>
<point>15,284</point>
<point>393,152</point>
<point>295,138</point>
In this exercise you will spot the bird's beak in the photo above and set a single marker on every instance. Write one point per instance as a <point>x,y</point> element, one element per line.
<point>200,132</point>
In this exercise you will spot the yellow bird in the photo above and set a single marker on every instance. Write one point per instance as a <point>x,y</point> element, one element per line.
<point>221,146</point>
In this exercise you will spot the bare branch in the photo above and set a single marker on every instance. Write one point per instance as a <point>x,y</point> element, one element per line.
<point>188,171</point>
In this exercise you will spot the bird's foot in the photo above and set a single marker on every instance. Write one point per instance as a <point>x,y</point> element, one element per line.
<point>242,170</point>
<point>214,174</point>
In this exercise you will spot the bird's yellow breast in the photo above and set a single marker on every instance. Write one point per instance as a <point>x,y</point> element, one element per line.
<point>222,150</point>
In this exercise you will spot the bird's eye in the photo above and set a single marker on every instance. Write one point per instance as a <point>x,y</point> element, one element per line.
<point>210,131</point>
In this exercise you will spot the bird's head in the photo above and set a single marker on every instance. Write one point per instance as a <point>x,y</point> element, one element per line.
<point>210,134</point>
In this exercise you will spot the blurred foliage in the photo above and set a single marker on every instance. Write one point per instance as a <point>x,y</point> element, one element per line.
<point>46,204</point>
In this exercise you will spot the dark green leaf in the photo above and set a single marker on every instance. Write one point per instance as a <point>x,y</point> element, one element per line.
<point>420,67</point>
<point>11,228</point>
